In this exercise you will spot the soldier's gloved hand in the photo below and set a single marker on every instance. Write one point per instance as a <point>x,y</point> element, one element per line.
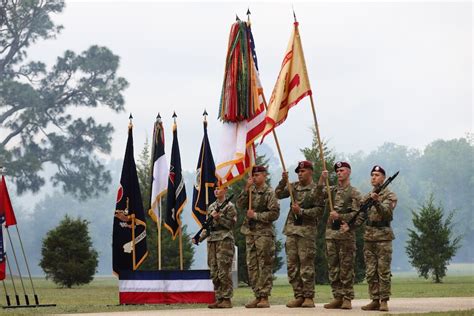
<point>215,215</point>
<point>296,208</point>
<point>284,176</point>
<point>334,215</point>
<point>250,213</point>
<point>344,227</point>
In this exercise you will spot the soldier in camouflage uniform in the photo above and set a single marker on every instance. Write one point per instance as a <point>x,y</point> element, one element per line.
<point>220,248</point>
<point>300,230</point>
<point>378,238</point>
<point>259,234</point>
<point>340,244</point>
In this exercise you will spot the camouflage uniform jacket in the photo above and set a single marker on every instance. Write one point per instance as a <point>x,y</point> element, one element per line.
<point>380,214</point>
<point>346,202</point>
<point>267,210</point>
<point>305,197</point>
<point>223,226</point>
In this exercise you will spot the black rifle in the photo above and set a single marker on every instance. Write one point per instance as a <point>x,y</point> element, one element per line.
<point>370,202</point>
<point>207,225</point>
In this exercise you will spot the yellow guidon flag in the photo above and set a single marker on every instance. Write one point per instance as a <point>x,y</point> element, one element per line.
<point>291,86</point>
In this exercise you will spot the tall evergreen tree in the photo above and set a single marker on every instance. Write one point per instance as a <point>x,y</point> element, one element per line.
<point>313,154</point>
<point>68,257</point>
<point>39,105</point>
<point>169,247</point>
<point>432,245</point>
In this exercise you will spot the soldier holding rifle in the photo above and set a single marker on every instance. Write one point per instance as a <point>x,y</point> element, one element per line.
<point>262,210</point>
<point>378,238</point>
<point>220,247</point>
<point>340,243</point>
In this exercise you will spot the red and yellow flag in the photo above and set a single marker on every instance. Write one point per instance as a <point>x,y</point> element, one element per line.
<point>292,84</point>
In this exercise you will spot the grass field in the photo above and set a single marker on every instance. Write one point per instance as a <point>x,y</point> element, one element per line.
<point>102,294</point>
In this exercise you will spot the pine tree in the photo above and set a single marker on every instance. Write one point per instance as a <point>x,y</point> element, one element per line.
<point>67,254</point>
<point>169,247</point>
<point>236,189</point>
<point>431,246</point>
<point>321,266</point>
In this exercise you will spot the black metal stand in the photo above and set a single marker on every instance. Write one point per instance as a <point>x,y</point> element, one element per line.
<point>28,305</point>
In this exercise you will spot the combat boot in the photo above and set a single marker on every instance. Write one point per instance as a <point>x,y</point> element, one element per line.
<point>264,303</point>
<point>372,306</point>
<point>214,305</point>
<point>295,303</point>
<point>253,304</point>
<point>335,303</point>
<point>383,306</point>
<point>226,303</point>
<point>346,304</point>
<point>308,302</point>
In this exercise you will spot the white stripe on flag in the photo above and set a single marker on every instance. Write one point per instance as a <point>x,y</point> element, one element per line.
<point>160,182</point>
<point>166,286</point>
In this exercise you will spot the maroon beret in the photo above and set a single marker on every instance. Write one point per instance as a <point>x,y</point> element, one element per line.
<point>305,164</point>
<point>341,164</point>
<point>378,169</point>
<point>258,169</point>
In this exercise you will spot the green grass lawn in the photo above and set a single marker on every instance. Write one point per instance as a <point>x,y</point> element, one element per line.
<point>102,294</point>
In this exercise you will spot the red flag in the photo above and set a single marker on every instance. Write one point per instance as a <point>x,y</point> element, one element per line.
<point>6,208</point>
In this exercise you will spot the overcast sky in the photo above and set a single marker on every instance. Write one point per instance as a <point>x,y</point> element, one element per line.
<point>380,72</point>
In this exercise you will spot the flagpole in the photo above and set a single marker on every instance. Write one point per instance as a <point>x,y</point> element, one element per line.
<point>177,215</point>
<point>134,259</point>
<point>17,297</point>
<point>17,266</point>
<point>158,223</point>
<point>27,267</point>
<point>181,248</point>
<point>316,125</point>
<point>133,242</point>
<point>7,297</point>
<point>205,185</point>
<point>275,136</point>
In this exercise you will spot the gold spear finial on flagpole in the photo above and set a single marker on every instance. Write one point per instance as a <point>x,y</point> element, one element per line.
<point>130,124</point>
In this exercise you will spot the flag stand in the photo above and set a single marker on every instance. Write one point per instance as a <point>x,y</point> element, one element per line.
<point>17,298</point>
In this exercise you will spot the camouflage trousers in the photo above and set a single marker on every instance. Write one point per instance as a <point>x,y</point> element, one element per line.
<point>260,252</point>
<point>219,258</point>
<point>378,257</point>
<point>300,253</point>
<point>341,259</point>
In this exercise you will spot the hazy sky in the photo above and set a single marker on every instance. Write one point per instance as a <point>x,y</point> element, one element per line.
<point>380,72</point>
